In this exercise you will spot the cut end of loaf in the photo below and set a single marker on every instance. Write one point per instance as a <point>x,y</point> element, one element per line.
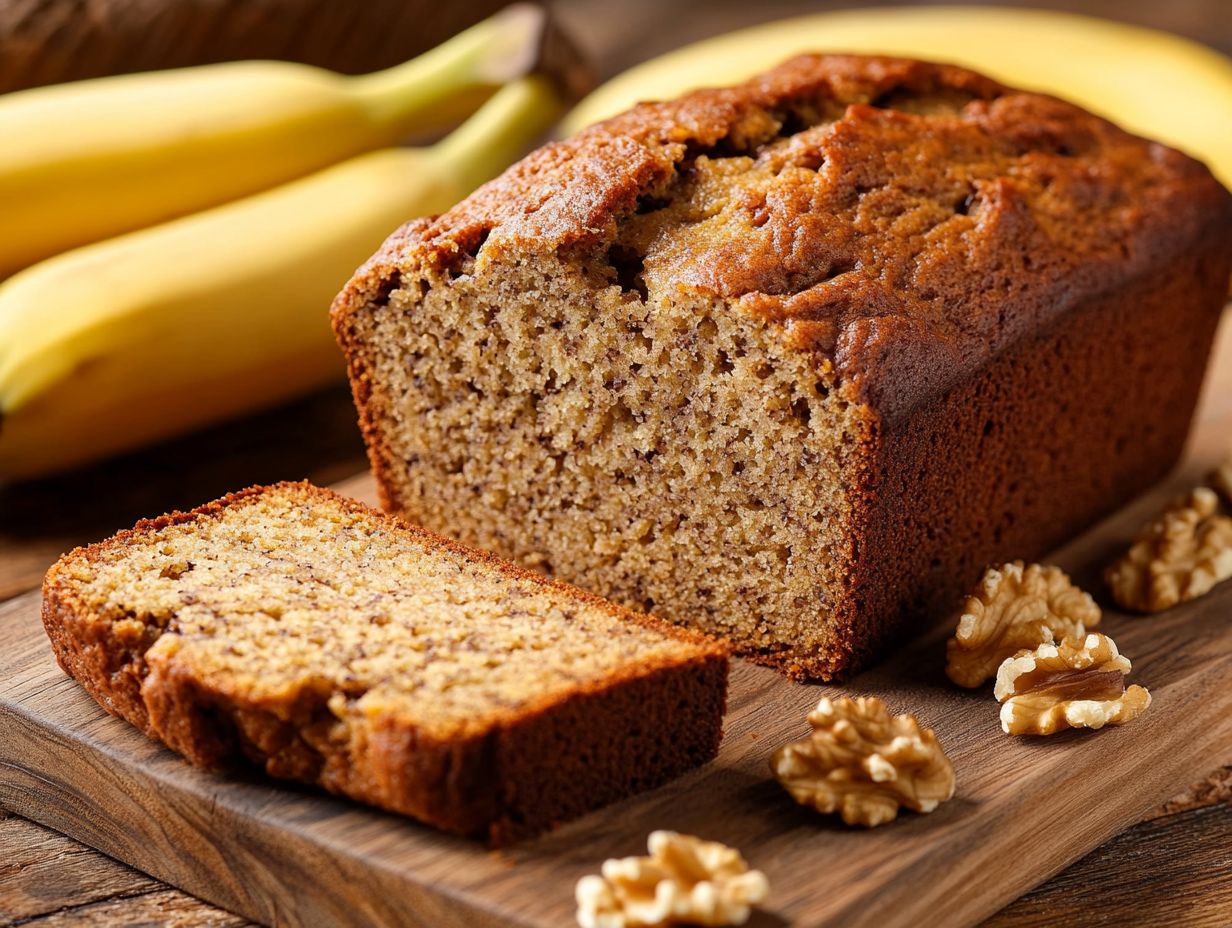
<point>665,452</point>
<point>330,644</point>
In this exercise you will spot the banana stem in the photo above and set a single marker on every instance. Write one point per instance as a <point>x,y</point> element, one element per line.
<point>497,50</point>
<point>499,132</point>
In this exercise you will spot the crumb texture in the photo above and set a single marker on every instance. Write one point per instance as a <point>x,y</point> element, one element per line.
<point>304,631</point>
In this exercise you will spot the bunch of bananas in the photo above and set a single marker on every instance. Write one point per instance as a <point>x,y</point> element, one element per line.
<point>175,238</point>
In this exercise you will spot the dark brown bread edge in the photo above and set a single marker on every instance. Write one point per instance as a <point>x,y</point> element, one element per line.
<point>555,760</point>
<point>1054,434</point>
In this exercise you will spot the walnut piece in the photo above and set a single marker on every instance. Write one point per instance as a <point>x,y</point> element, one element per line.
<point>1079,683</point>
<point>1015,607</point>
<point>863,764</point>
<point>684,881</point>
<point>1178,557</point>
<point>1221,479</point>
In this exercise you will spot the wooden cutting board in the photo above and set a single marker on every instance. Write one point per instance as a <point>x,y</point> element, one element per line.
<point>1025,808</point>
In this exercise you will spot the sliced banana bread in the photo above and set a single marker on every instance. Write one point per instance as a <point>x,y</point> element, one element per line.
<point>332,644</point>
<point>793,361</point>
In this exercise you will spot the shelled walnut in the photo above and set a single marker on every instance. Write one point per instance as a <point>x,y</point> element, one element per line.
<point>1079,683</point>
<point>1221,479</point>
<point>1015,607</point>
<point>1178,557</point>
<point>863,764</point>
<point>684,881</point>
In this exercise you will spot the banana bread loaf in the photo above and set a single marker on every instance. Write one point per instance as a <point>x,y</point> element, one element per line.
<point>329,643</point>
<point>791,362</point>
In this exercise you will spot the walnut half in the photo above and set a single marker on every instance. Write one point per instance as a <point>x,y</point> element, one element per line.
<point>1079,683</point>
<point>1178,557</point>
<point>684,881</point>
<point>864,764</point>
<point>1015,607</point>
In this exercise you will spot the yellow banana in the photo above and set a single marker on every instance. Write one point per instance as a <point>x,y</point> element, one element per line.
<point>151,334</point>
<point>1150,82</point>
<point>85,161</point>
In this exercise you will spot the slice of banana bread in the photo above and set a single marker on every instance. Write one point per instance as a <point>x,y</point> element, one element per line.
<point>332,644</point>
<point>793,361</point>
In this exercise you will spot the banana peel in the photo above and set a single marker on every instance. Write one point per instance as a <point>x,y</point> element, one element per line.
<point>155,333</point>
<point>85,161</point>
<point>1149,82</point>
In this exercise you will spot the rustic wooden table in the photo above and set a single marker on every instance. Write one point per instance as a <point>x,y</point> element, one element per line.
<point>1173,868</point>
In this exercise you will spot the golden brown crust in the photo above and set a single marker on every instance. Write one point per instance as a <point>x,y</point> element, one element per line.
<point>504,781</point>
<point>1016,294</point>
<point>947,216</point>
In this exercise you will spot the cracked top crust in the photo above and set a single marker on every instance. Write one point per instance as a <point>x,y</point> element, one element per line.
<point>904,220</point>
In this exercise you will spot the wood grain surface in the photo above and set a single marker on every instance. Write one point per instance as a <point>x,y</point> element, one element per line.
<point>1187,883</point>
<point>262,849</point>
<point>1176,867</point>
